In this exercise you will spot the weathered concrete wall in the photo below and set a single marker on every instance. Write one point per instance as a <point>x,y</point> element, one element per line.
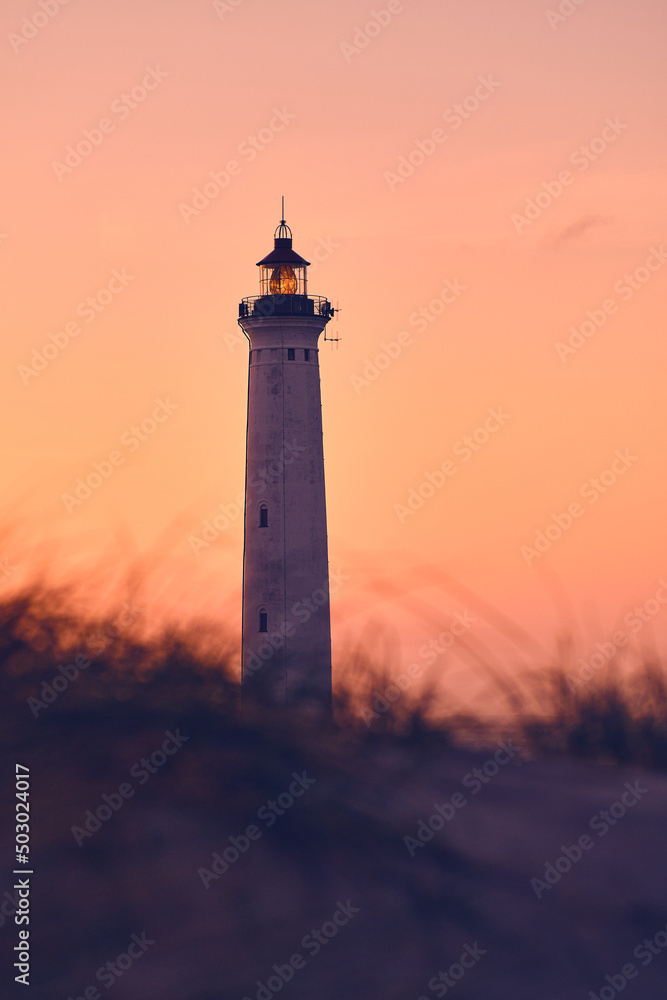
<point>286,563</point>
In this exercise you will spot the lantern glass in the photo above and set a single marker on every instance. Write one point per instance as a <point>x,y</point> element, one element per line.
<point>282,279</point>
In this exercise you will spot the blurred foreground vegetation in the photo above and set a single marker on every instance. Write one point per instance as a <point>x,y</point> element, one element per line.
<point>57,663</point>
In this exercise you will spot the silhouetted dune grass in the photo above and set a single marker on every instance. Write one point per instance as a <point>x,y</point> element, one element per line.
<point>614,720</point>
<point>239,834</point>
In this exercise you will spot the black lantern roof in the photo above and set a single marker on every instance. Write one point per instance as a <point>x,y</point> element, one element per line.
<point>282,252</point>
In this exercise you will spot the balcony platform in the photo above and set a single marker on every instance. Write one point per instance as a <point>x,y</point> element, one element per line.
<point>259,306</point>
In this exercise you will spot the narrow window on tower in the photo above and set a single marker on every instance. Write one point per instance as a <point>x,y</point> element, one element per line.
<point>263,516</point>
<point>263,621</point>
<point>290,354</point>
<point>306,355</point>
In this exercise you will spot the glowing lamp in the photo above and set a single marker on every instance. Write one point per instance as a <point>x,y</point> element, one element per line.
<point>283,281</point>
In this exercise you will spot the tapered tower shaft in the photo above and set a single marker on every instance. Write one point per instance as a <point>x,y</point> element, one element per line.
<point>286,652</point>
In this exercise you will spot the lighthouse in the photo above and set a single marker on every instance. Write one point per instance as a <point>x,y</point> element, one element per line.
<point>286,643</point>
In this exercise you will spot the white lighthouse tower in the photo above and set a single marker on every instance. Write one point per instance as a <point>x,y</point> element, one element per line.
<point>286,653</point>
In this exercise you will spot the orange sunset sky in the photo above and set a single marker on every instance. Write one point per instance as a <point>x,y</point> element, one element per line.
<point>474,182</point>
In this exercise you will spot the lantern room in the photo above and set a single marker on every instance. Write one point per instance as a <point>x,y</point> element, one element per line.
<point>283,271</point>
